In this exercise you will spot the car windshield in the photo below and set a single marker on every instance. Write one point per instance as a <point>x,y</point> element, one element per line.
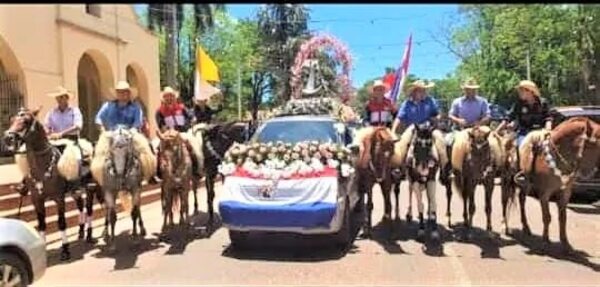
<point>297,131</point>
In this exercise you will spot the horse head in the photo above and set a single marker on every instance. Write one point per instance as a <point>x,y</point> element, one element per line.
<point>577,141</point>
<point>173,154</point>
<point>380,150</point>
<point>121,149</point>
<point>480,150</point>
<point>422,148</point>
<point>22,126</point>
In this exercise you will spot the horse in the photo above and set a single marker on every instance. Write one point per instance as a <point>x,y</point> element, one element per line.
<point>122,160</point>
<point>374,166</point>
<point>43,180</point>
<point>427,152</point>
<point>176,168</point>
<point>216,141</point>
<point>472,162</point>
<point>553,162</point>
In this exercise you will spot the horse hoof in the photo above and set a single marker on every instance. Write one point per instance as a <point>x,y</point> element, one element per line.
<point>65,254</point>
<point>408,218</point>
<point>81,232</point>
<point>435,235</point>
<point>143,232</point>
<point>567,249</point>
<point>527,231</point>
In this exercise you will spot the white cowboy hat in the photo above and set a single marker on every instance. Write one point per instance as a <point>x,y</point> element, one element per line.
<point>168,90</point>
<point>124,86</point>
<point>529,85</point>
<point>418,84</point>
<point>470,83</point>
<point>60,91</point>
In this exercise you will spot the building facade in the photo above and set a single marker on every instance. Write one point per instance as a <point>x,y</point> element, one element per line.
<point>86,48</point>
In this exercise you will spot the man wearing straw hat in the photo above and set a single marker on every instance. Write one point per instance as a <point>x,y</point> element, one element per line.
<point>63,121</point>
<point>530,112</point>
<point>468,110</point>
<point>418,108</point>
<point>123,110</point>
<point>380,111</point>
<point>174,115</point>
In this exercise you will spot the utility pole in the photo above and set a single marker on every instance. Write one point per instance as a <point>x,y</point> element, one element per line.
<point>528,65</point>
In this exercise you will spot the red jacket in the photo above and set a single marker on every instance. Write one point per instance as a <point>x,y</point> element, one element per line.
<point>380,111</point>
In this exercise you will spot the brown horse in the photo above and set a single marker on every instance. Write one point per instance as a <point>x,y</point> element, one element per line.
<point>176,168</point>
<point>374,166</point>
<point>472,164</point>
<point>570,150</point>
<point>44,180</point>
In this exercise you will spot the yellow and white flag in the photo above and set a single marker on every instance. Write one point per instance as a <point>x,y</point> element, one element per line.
<point>206,70</point>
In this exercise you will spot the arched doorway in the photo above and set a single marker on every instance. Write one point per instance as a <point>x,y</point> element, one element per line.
<point>94,79</point>
<point>137,80</point>
<point>12,94</point>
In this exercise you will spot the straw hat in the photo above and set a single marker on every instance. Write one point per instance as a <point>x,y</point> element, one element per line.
<point>470,83</point>
<point>529,85</point>
<point>60,91</point>
<point>378,84</point>
<point>124,86</point>
<point>168,90</point>
<point>419,84</point>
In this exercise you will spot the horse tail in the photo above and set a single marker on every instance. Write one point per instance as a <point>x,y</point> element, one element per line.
<point>176,204</point>
<point>125,199</point>
<point>458,184</point>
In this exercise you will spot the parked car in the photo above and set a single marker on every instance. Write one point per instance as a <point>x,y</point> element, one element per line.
<point>22,253</point>
<point>292,207</point>
<point>589,185</point>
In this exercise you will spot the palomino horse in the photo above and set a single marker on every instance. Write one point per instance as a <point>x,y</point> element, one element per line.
<point>176,168</point>
<point>44,180</point>
<point>570,150</point>
<point>472,165</point>
<point>120,167</point>
<point>374,166</point>
<point>216,141</point>
<point>427,152</point>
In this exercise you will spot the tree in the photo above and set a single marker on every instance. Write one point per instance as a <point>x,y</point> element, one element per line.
<point>283,28</point>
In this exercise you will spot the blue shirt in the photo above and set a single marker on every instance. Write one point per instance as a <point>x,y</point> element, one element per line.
<point>111,115</point>
<point>412,112</point>
<point>471,110</point>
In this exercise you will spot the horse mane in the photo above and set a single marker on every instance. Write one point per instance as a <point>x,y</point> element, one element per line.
<point>462,144</point>
<point>69,162</point>
<point>526,149</point>
<point>365,138</point>
<point>146,156</point>
<point>571,127</point>
<point>401,147</point>
<point>101,152</point>
<point>497,149</point>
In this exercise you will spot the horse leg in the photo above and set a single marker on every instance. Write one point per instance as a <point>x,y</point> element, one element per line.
<point>210,184</point>
<point>522,198</point>
<point>137,203</point>
<point>505,195</point>
<point>471,206</point>
<point>418,189</point>
<point>387,200</point>
<point>183,206</point>
<point>195,190</point>
<point>432,208</point>
<point>489,189</point>
<point>40,211</point>
<point>562,219</point>
<point>80,206</point>
<point>410,195</point>
<point>546,217</point>
<point>448,203</point>
<point>65,254</point>
<point>89,206</point>
<point>110,202</point>
<point>397,197</point>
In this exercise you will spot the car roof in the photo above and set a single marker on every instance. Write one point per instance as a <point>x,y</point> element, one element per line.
<point>320,118</point>
<point>574,111</point>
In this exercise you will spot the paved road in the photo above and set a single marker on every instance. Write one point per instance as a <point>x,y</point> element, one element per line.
<point>194,258</point>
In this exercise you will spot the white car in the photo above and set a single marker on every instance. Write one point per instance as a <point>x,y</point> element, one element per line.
<point>22,253</point>
<point>304,207</point>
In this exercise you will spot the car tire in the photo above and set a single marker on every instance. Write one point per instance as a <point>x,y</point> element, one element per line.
<point>18,268</point>
<point>345,236</point>
<point>239,239</point>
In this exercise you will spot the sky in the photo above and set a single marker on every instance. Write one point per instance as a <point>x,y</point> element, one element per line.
<point>376,35</point>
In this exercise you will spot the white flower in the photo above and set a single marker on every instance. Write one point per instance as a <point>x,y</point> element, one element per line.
<point>226,168</point>
<point>347,170</point>
<point>332,163</point>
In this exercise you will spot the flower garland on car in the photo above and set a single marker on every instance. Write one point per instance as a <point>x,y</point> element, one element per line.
<point>284,160</point>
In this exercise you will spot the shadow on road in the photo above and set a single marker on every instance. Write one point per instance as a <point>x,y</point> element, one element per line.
<point>287,248</point>
<point>78,250</point>
<point>586,209</point>
<point>127,250</point>
<point>178,237</point>
<point>386,234</point>
<point>536,246</point>
<point>489,243</point>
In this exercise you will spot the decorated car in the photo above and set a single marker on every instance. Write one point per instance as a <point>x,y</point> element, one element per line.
<point>296,175</point>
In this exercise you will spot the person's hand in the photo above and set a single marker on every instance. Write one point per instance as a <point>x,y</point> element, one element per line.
<point>462,123</point>
<point>55,136</point>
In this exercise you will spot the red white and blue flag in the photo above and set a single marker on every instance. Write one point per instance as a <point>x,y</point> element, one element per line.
<point>396,80</point>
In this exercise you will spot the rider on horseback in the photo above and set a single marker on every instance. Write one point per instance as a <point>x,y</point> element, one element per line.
<point>530,112</point>
<point>121,111</point>
<point>380,111</point>
<point>468,110</point>
<point>174,115</point>
<point>204,113</point>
